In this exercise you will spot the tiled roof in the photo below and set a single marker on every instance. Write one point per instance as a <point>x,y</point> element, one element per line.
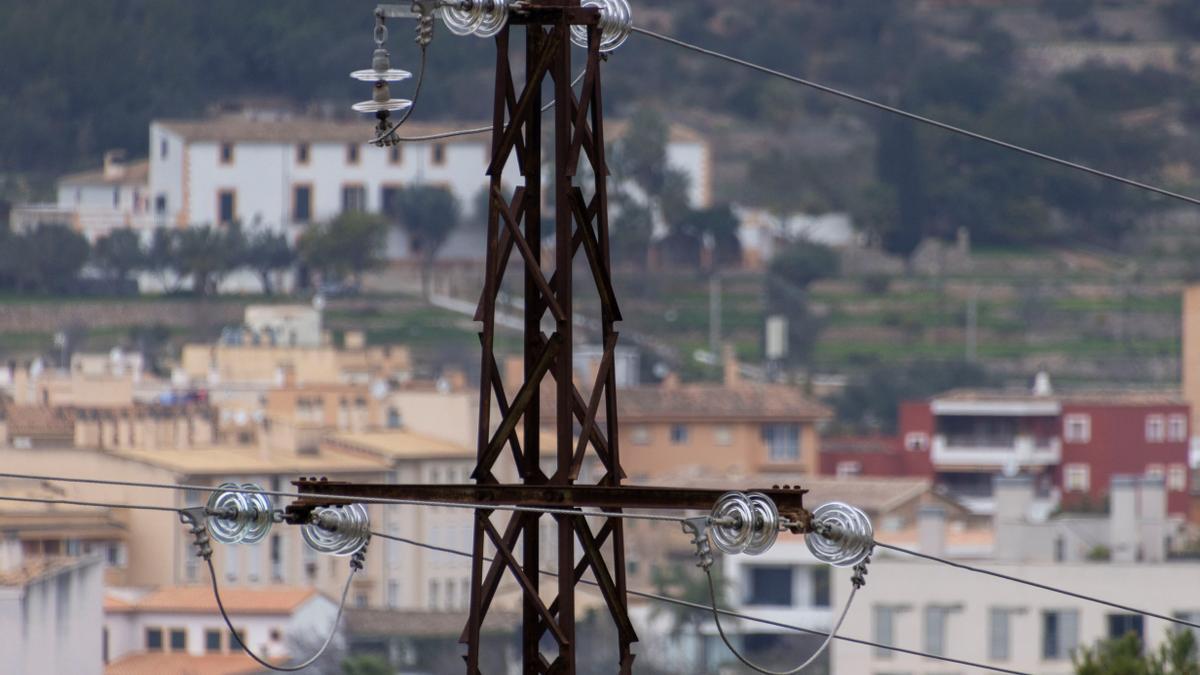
<point>745,401</point>
<point>39,568</point>
<point>235,663</point>
<point>251,460</point>
<point>1086,396</point>
<point>136,173</point>
<point>36,421</point>
<point>282,600</point>
<point>400,444</point>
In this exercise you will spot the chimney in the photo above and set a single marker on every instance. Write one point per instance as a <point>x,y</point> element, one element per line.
<point>931,529</point>
<point>114,164</point>
<point>1152,526</point>
<point>730,362</point>
<point>1014,497</point>
<point>11,556</point>
<point>1123,519</point>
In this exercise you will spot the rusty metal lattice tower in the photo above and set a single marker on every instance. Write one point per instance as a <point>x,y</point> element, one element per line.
<point>515,224</point>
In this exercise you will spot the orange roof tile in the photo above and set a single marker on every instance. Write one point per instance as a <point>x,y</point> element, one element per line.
<point>199,600</point>
<point>183,664</point>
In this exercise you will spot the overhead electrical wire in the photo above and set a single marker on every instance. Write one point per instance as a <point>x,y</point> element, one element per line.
<point>974,135</point>
<point>1034,584</point>
<point>364,500</point>
<point>666,599</point>
<point>100,505</point>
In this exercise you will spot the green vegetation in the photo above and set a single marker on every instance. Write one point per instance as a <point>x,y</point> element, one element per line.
<point>1126,656</point>
<point>429,214</point>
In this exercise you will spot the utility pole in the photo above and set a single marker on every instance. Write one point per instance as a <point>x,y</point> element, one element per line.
<point>580,224</point>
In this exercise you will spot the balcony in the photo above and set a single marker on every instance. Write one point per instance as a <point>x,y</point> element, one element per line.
<point>994,451</point>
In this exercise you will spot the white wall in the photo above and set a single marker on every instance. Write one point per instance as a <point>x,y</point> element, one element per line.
<point>1164,588</point>
<point>51,624</point>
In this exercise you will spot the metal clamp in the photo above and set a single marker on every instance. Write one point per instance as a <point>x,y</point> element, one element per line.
<point>197,518</point>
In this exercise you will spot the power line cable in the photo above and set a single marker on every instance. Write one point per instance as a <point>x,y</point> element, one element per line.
<point>1034,584</point>
<point>364,500</point>
<point>77,502</point>
<point>915,117</point>
<point>666,599</point>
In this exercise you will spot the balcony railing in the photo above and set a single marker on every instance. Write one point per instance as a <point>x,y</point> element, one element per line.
<point>998,450</point>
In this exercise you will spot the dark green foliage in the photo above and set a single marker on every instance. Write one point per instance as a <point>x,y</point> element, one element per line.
<point>802,262</point>
<point>429,214</point>
<point>1101,86</point>
<point>119,253</point>
<point>367,664</point>
<point>345,247</point>
<point>206,254</point>
<point>871,403</point>
<point>1124,656</point>
<point>266,253</point>
<point>46,260</point>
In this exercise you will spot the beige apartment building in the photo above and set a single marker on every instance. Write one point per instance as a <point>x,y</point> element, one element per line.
<point>741,427</point>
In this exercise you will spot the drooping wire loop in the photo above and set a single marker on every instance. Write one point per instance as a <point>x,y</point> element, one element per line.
<point>616,23</point>
<point>841,536</point>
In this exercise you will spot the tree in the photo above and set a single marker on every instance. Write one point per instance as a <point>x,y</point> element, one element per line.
<point>428,214</point>
<point>346,246</point>
<point>206,254</point>
<point>870,403</point>
<point>119,253</point>
<point>366,664</point>
<point>802,262</point>
<point>266,253</point>
<point>1124,656</point>
<point>162,258</point>
<point>48,258</point>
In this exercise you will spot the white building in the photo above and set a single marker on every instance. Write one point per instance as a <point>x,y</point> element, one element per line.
<point>173,627</point>
<point>95,202</point>
<point>932,608</point>
<point>49,610</point>
<point>283,172</point>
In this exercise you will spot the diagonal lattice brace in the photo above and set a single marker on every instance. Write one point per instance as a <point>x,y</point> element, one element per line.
<point>599,389</point>
<point>532,87</point>
<point>531,593</point>
<point>509,423</point>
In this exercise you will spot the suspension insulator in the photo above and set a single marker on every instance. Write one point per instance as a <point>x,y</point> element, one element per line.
<point>338,530</point>
<point>842,535</point>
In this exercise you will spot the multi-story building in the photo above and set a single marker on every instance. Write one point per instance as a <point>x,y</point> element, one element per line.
<point>736,426</point>
<point>50,532</point>
<point>1072,443</point>
<point>285,172</point>
<point>95,202</point>
<point>177,629</point>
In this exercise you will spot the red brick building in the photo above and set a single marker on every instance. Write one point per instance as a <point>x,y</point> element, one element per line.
<point>1071,443</point>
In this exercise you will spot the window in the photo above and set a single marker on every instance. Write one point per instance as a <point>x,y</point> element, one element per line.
<point>916,441</point>
<point>769,585</point>
<point>783,442</point>
<point>1077,478</point>
<point>178,640</point>
<point>394,421</point>
<point>1077,428</point>
<point>999,633</point>
<point>396,154</point>
<point>935,629</point>
<point>354,198</point>
<point>104,645</point>
<point>1120,625</point>
<point>1177,428</point>
<point>352,153</point>
<point>302,203</point>
<point>226,207</point>
<point>848,469</point>
<point>238,637</point>
<point>302,153</point>
<point>276,558</point>
<point>679,434</point>
<point>227,153</point>
<point>162,148</point>
<point>1177,477</point>
<point>160,204</point>
<point>1154,471</point>
<point>722,435</point>
<point>640,435</point>
<point>433,594</point>
<point>275,635</point>
<point>212,641</point>
<point>116,197</point>
<point>231,563</point>
<point>820,578</point>
<point>883,629</point>
<point>389,201</point>
<point>154,640</point>
<point>439,154</point>
<point>1060,633</point>
<point>1155,429</point>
